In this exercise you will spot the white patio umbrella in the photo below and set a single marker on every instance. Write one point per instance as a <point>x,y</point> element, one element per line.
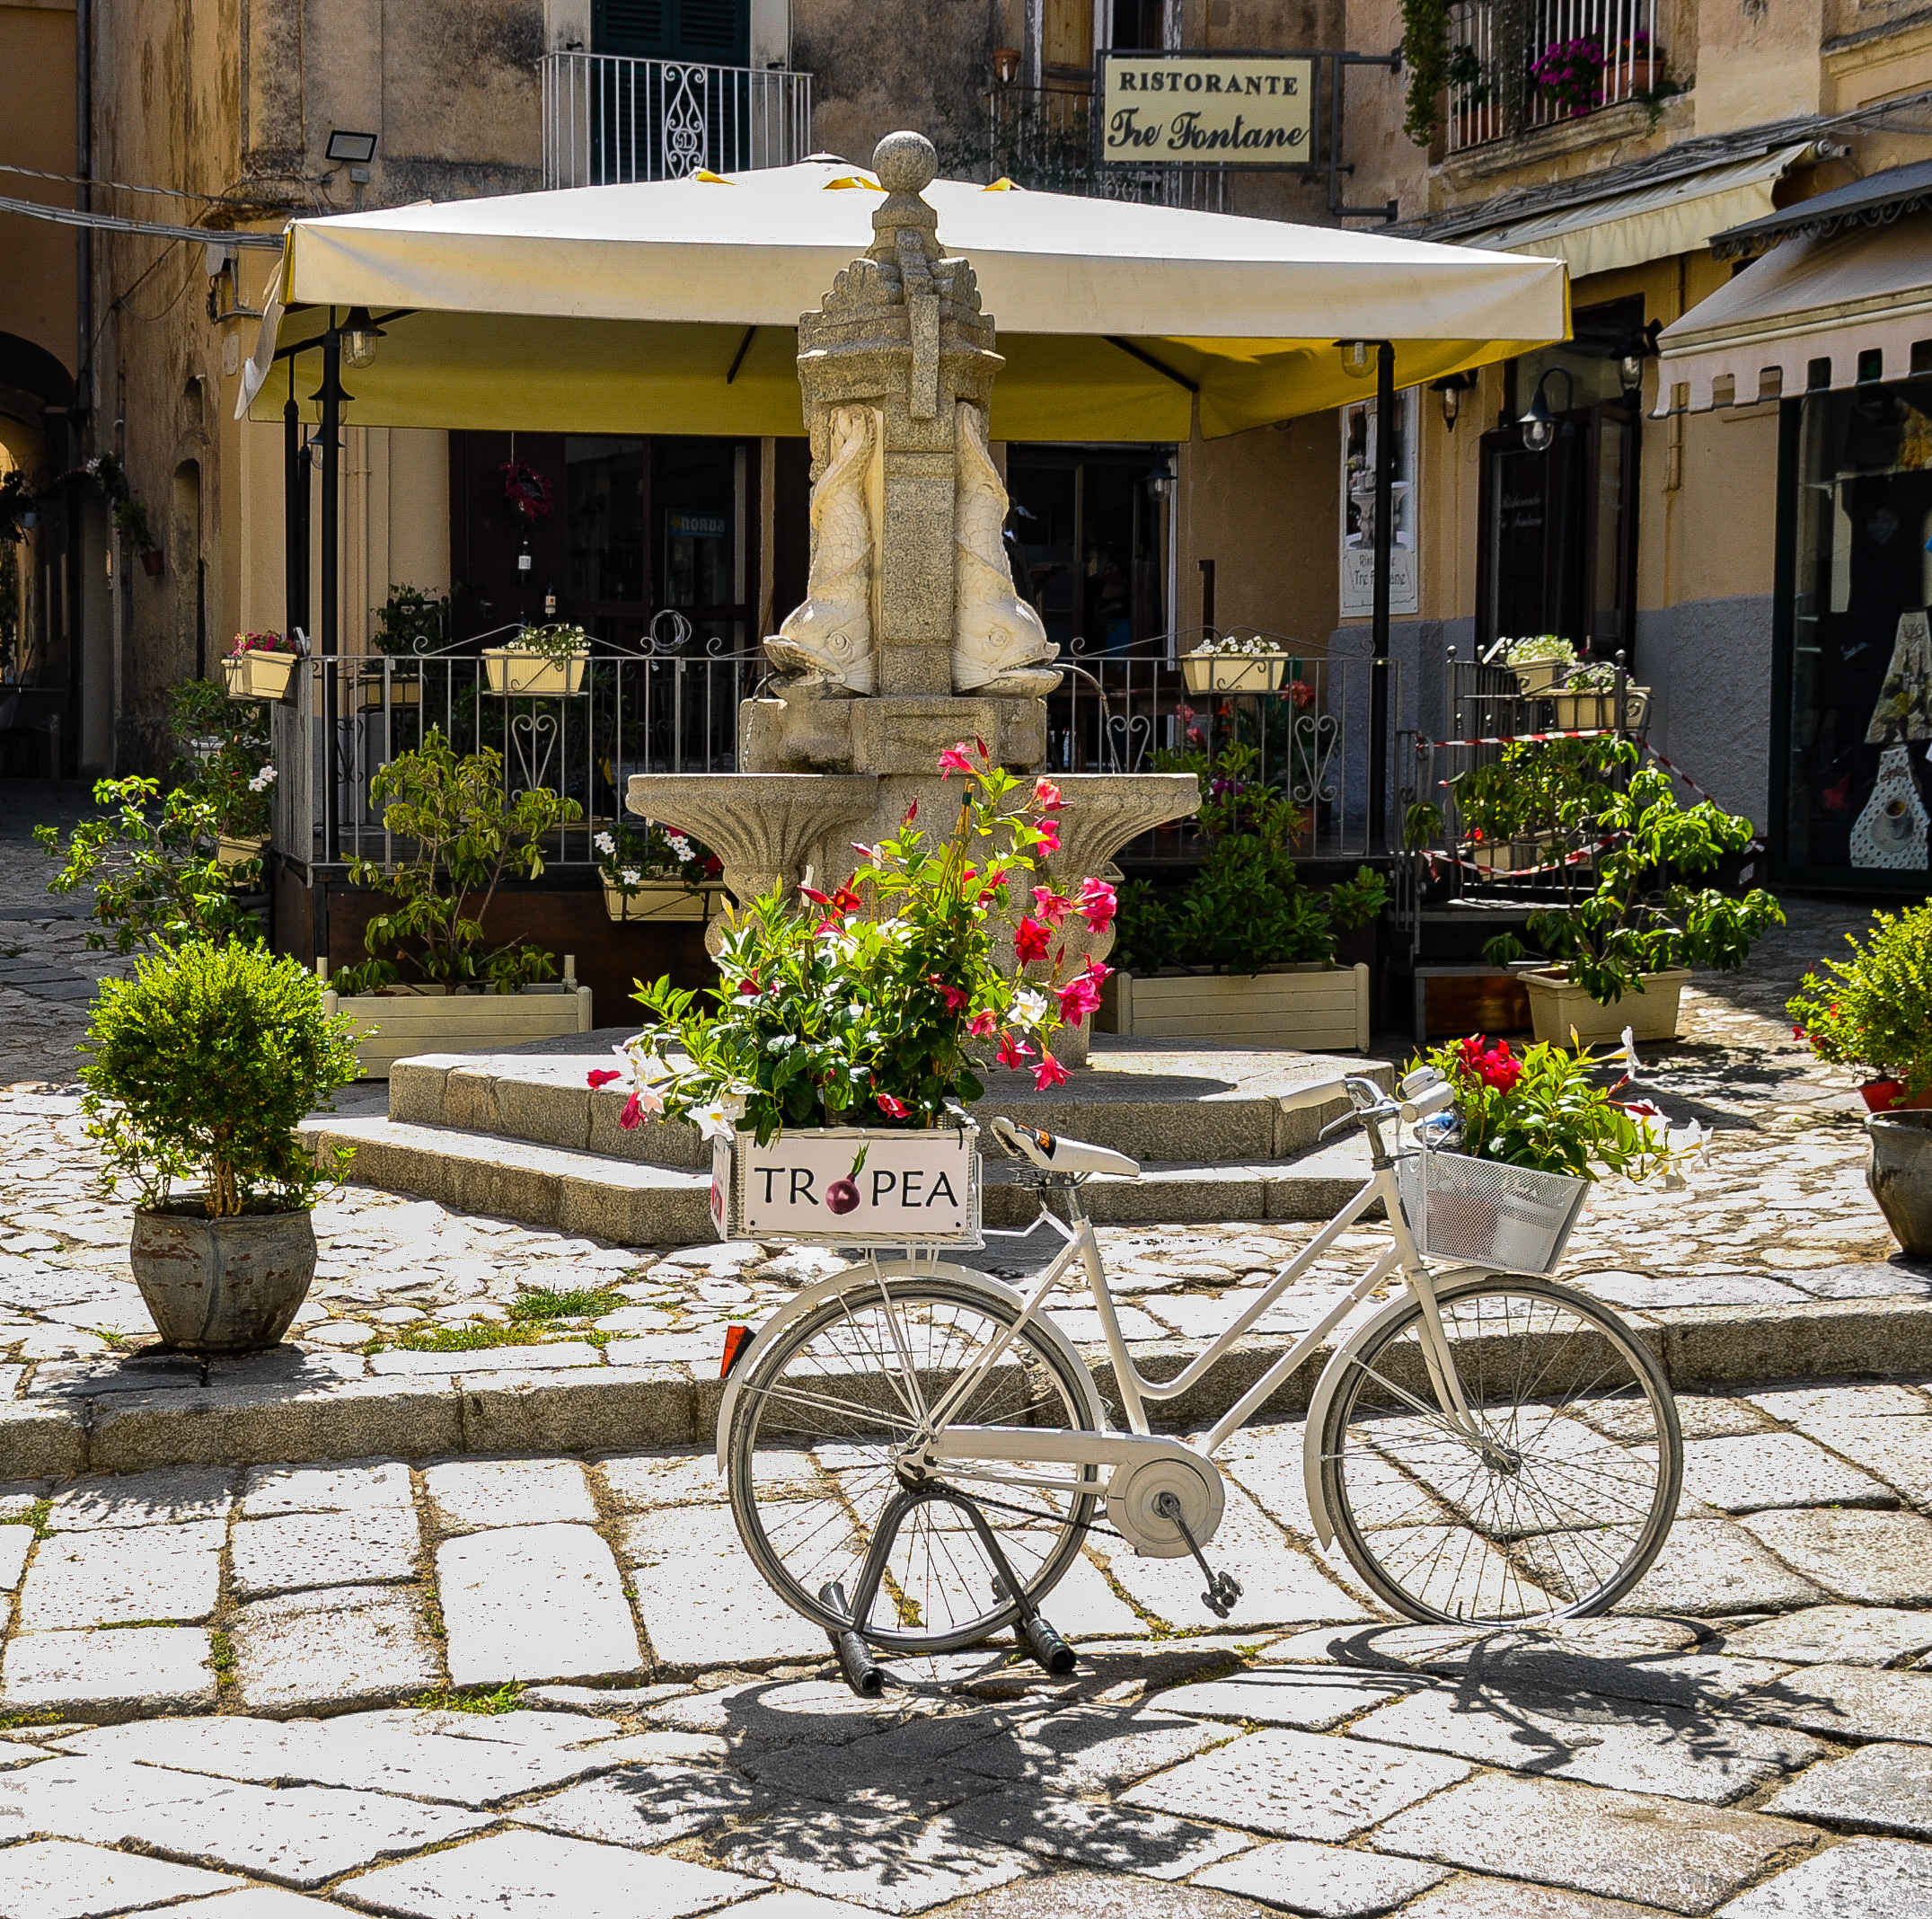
<point>671,307</point>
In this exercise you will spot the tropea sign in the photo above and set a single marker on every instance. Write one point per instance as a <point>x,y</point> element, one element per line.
<point>1230,110</point>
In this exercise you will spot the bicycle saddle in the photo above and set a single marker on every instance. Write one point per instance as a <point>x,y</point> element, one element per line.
<point>1055,1153</point>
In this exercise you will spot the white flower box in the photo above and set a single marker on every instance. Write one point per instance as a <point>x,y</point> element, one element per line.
<point>1232,672</point>
<point>661,900</point>
<point>258,676</point>
<point>398,1024</point>
<point>1314,1009</point>
<point>514,672</point>
<point>919,1187</point>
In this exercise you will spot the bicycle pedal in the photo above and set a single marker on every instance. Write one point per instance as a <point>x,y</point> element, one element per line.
<point>1222,1595</point>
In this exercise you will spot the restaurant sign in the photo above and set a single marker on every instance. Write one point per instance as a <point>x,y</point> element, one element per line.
<point>1207,110</point>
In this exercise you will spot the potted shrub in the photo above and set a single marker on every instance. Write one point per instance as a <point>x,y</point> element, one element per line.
<point>658,875</point>
<point>542,662</point>
<point>1535,805</point>
<point>131,522</point>
<point>1874,1012</point>
<point>228,760</point>
<point>1542,1113</point>
<point>854,1030</point>
<point>1538,660</point>
<point>1623,952</point>
<point>1233,664</point>
<point>200,1069</point>
<point>258,666</point>
<point>465,835</point>
<point>1244,951</point>
<point>1587,699</point>
<point>409,623</point>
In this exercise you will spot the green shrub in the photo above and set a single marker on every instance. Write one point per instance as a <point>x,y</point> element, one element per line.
<point>201,1066</point>
<point>1876,1009</point>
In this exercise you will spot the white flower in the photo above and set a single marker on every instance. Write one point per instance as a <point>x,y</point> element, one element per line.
<point>262,780</point>
<point>712,1121</point>
<point>605,844</point>
<point>649,1101</point>
<point>629,876</point>
<point>1028,1008</point>
<point>681,846</point>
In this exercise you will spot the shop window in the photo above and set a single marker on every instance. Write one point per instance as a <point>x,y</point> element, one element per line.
<point>1855,648</point>
<point>1087,538</point>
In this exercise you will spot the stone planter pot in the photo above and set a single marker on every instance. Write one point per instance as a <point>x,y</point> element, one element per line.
<point>1232,672</point>
<point>1315,1009</point>
<point>221,1285</point>
<point>1557,1004</point>
<point>1900,1174</point>
<point>1538,677</point>
<point>1586,712</point>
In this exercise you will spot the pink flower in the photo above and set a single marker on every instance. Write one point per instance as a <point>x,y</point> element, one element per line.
<point>1079,998</point>
<point>981,744</point>
<point>912,813</point>
<point>1030,942</point>
<point>981,1024</point>
<point>1052,907</point>
<point>1097,970</point>
<point>602,1078</point>
<point>867,853</point>
<point>1049,835</point>
<point>1643,1108</point>
<point>1013,1050</point>
<point>1098,903</point>
<point>952,760</point>
<point>1048,1073</point>
<point>1046,796</point>
<point>632,1116</point>
<point>896,1109</point>
<point>750,986</point>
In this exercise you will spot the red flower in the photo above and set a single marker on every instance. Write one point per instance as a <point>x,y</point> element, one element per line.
<point>713,866</point>
<point>1053,907</point>
<point>602,1077</point>
<point>981,744</point>
<point>897,1109</point>
<point>1048,1073</point>
<point>1098,903</point>
<point>1030,942</point>
<point>816,896</point>
<point>847,901</point>
<point>981,1024</point>
<point>955,999</point>
<point>1046,796</point>
<point>632,1116</point>
<point>1079,998</point>
<point>912,813</point>
<point>750,986</point>
<point>952,760</point>
<point>1013,1050</point>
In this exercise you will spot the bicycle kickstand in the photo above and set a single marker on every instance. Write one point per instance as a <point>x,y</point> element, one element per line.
<point>1223,1589</point>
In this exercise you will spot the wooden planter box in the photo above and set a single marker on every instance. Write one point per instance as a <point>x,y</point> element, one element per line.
<point>666,899</point>
<point>410,1022</point>
<point>1577,713</point>
<point>261,677</point>
<point>514,672</point>
<point>1232,672</point>
<point>1313,1009</point>
<point>918,1187</point>
<point>1556,1006</point>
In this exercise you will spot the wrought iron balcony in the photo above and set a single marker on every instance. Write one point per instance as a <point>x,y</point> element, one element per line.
<point>1519,64</point>
<point>608,119</point>
<point>1043,137</point>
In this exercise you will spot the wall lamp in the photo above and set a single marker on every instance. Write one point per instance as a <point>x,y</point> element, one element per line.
<point>1540,423</point>
<point>356,149</point>
<point>1358,357</point>
<point>1449,389</point>
<point>359,336</point>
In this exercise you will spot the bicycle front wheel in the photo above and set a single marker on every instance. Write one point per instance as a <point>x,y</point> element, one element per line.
<point>820,1419</point>
<point>1551,1501</point>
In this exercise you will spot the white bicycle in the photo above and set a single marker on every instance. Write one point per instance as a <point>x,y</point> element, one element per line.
<point>915,1451</point>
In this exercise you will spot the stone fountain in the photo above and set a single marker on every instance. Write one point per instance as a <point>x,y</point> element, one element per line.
<point>912,638</point>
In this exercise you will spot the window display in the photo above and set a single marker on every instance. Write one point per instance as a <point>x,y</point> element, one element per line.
<point>1856,641</point>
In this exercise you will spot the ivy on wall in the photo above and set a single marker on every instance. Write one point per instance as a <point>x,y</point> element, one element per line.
<point>1425,60</point>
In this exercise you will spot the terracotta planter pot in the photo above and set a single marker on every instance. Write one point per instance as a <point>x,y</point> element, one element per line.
<point>221,1285</point>
<point>1888,1096</point>
<point>1900,1174</point>
<point>152,564</point>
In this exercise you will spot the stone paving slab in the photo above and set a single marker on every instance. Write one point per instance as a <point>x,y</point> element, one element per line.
<point>54,1879</point>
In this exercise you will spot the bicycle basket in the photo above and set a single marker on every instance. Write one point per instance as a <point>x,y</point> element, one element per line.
<point>1481,1213</point>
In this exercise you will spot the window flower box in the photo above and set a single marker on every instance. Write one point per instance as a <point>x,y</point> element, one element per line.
<point>231,851</point>
<point>258,675</point>
<point>1311,1008</point>
<point>516,672</point>
<point>1579,713</point>
<point>1206,672</point>
<point>661,900</point>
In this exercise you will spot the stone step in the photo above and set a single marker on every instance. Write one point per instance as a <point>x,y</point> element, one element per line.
<point>634,1205</point>
<point>1166,1100</point>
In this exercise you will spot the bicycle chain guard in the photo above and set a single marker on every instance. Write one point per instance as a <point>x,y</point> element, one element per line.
<point>1134,1494</point>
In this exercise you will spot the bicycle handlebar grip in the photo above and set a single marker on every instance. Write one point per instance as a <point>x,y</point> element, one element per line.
<point>1321,1092</point>
<point>1435,1099</point>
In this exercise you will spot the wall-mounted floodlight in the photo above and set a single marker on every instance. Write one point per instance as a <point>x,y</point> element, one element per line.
<point>358,148</point>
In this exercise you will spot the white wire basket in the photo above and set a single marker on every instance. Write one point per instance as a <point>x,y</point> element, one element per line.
<point>1480,1213</point>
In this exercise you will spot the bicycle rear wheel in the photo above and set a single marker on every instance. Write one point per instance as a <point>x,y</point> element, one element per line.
<point>1557,1504</point>
<point>814,1435</point>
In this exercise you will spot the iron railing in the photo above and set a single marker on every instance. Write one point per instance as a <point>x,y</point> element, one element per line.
<point>1517,64</point>
<point>674,708</point>
<point>1044,137</point>
<point>608,120</point>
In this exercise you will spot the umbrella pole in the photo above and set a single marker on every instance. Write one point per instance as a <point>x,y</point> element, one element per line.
<point>1385,438</point>
<point>331,432</point>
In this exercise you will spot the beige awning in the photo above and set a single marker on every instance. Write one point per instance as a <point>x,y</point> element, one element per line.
<point>670,307</point>
<point>1647,223</point>
<point>1811,314</point>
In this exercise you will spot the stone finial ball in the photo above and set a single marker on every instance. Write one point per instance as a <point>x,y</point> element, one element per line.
<point>905,163</point>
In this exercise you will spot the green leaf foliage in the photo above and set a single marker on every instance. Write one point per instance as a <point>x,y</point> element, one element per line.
<point>1875,1010</point>
<point>201,1068</point>
<point>467,833</point>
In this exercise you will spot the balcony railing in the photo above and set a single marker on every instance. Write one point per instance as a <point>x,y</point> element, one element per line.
<point>1518,64</point>
<point>608,120</point>
<point>1042,138</point>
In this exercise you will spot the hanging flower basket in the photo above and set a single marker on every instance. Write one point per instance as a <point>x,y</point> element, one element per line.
<point>514,672</point>
<point>258,675</point>
<point>1232,668</point>
<point>661,900</point>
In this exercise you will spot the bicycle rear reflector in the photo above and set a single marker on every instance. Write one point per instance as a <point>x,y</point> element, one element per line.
<point>737,1339</point>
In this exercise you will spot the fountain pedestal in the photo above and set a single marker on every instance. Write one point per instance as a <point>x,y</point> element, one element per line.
<point>912,638</point>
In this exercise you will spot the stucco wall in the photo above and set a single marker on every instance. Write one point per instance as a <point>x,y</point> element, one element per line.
<point>1708,665</point>
<point>923,66</point>
<point>37,129</point>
